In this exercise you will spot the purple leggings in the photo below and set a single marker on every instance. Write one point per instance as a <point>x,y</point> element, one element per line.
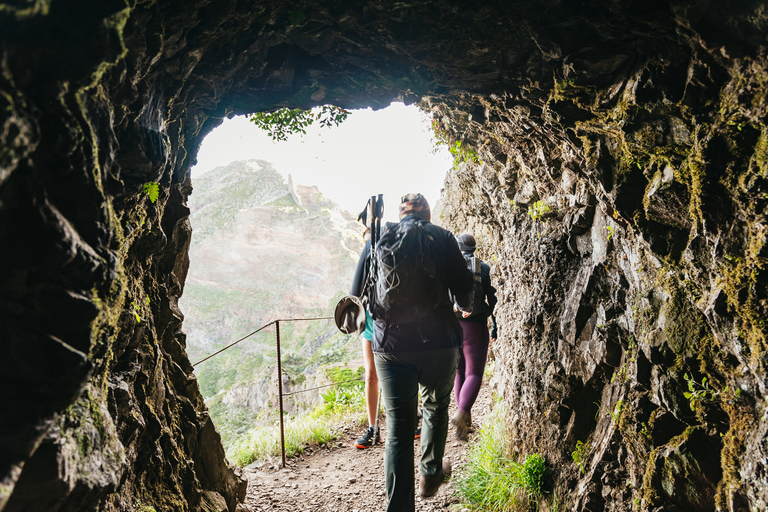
<point>469,375</point>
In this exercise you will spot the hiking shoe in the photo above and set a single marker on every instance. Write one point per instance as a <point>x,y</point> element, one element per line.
<point>417,433</point>
<point>428,485</point>
<point>462,421</point>
<point>370,438</point>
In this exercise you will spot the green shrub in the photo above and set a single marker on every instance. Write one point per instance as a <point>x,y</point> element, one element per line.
<point>152,189</point>
<point>345,378</point>
<point>491,480</point>
<point>340,401</point>
<point>461,152</point>
<point>531,475</point>
<point>488,371</point>
<point>579,455</point>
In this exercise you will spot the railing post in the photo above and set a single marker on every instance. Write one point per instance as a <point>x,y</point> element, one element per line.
<point>280,390</point>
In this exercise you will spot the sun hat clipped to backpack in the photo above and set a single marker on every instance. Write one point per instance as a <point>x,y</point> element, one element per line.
<point>350,315</point>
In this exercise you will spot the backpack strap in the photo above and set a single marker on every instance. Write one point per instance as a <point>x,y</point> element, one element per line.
<point>477,266</point>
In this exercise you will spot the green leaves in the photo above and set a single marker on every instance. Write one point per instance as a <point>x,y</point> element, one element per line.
<point>616,414</point>
<point>579,455</point>
<point>135,309</point>
<point>460,151</point>
<point>538,210</point>
<point>462,154</point>
<point>283,122</point>
<point>698,392</point>
<point>152,189</point>
<point>531,475</point>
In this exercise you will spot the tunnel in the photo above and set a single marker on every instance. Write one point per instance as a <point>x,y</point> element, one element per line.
<point>616,179</point>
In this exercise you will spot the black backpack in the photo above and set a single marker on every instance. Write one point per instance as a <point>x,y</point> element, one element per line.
<point>478,292</point>
<point>407,287</point>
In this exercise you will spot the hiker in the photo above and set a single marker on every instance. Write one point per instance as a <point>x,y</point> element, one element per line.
<point>417,349</point>
<point>474,351</point>
<point>372,435</point>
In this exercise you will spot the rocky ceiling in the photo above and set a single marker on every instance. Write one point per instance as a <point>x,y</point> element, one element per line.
<point>620,193</point>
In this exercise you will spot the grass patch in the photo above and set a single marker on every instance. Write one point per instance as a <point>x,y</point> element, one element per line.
<point>321,426</point>
<point>488,370</point>
<point>492,481</point>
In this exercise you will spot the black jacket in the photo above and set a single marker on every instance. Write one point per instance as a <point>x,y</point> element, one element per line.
<point>435,331</point>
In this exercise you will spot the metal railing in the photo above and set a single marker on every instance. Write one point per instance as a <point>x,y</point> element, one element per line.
<point>279,369</point>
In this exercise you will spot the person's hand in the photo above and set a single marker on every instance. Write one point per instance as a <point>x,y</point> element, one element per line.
<point>465,314</point>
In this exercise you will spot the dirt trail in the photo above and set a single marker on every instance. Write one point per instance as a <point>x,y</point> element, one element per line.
<point>341,478</point>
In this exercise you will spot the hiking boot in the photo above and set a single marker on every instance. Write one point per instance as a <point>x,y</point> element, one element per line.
<point>428,485</point>
<point>370,438</point>
<point>462,421</point>
<point>417,433</point>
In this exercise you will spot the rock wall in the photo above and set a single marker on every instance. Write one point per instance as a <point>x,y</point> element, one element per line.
<point>620,194</point>
<point>625,219</point>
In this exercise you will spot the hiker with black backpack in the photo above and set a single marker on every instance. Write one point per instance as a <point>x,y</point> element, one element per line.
<point>416,340</point>
<point>474,323</point>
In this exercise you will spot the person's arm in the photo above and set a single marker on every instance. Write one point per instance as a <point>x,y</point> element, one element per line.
<point>490,297</point>
<point>361,272</point>
<point>490,291</point>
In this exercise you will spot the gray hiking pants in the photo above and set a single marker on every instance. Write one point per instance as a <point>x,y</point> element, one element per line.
<point>402,376</point>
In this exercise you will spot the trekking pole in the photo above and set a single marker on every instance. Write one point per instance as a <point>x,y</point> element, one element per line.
<point>375,210</point>
<point>378,213</point>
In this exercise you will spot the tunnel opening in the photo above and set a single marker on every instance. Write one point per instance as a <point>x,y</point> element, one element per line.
<point>274,236</point>
<point>90,320</point>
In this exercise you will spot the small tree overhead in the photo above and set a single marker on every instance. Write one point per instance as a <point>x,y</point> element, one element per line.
<point>283,122</point>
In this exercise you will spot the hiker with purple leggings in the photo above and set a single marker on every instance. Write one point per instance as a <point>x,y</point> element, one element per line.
<point>472,358</point>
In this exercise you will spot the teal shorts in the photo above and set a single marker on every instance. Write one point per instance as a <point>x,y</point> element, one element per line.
<point>368,332</point>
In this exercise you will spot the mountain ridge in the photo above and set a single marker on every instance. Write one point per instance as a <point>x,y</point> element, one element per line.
<point>264,248</point>
<point>241,231</point>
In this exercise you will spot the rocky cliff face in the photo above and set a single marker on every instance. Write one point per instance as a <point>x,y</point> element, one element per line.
<point>621,197</point>
<point>262,249</point>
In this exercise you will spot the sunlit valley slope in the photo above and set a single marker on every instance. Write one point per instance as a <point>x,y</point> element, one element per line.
<point>264,249</point>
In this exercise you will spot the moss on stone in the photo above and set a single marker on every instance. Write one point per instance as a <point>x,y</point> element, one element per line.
<point>685,328</point>
<point>39,8</point>
<point>742,422</point>
<point>567,89</point>
<point>82,418</point>
<point>650,494</point>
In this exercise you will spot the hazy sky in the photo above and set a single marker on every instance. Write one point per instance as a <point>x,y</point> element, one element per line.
<point>388,151</point>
